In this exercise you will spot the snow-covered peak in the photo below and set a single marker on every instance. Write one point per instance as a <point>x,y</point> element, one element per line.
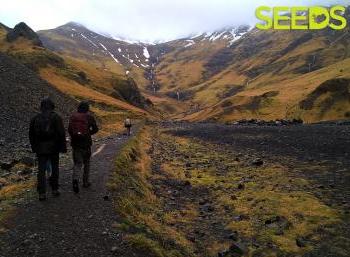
<point>227,34</point>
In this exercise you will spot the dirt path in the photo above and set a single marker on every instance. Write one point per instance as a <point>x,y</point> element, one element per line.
<point>71,225</point>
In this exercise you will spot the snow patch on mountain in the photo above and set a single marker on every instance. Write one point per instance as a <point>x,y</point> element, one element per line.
<point>113,57</point>
<point>89,40</point>
<point>125,40</point>
<point>216,36</point>
<point>146,53</point>
<point>196,35</point>
<point>103,46</point>
<point>190,43</point>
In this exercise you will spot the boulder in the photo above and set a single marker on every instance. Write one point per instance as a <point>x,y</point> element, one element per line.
<point>6,165</point>
<point>258,162</point>
<point>23,30</point>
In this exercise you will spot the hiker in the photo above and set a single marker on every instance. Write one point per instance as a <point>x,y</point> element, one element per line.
<point>81,126</point>
<point>47,139</point>
<point>128,125</point>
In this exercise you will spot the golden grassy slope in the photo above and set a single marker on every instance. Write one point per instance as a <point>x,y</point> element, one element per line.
<point>285,104</point>
<point>262,62</point>
<point>182,68</point>
<point>78,91</point>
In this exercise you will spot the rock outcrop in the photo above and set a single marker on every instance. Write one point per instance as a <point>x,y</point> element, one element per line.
<point>23,30</point>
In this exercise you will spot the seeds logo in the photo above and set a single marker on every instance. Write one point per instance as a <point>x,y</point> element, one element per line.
<point>301,18</point>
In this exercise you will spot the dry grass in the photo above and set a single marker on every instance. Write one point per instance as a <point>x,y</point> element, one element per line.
<point>81,92</point>
<point>142,220</point>
<point>10,193</point>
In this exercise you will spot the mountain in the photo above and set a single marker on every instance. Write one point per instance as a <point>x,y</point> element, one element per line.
<point>225,75</point>
<point>76,41</point>
<point>261,75</point>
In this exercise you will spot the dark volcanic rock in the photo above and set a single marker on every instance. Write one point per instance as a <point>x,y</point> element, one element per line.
<point>21,93</point>
<point>235,250</point>
<point>29,161</point>
<point>258,162</point>
<point>6,165</point>
<point>23,30</point>
<point>128,91</point>
<point>300,242</point>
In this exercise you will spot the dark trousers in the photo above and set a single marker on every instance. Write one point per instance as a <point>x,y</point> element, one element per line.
<point>128,130</point>
<point>43,160</point>
<point>81,158</point>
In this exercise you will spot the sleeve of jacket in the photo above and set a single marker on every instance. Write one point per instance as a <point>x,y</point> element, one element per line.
<point>61,135</point>
<point>32,138</point>
<point>70,127</point>
<point>92,125</point>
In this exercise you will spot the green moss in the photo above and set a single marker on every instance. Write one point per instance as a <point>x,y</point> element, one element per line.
<point>139,208</point>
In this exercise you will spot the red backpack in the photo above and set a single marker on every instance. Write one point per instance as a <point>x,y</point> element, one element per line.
<point>79,125</point>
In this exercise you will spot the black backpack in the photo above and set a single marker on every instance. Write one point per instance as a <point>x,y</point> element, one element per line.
<point>43,127</point>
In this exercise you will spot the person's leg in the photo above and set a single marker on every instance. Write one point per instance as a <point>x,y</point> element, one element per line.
<point>78,165</point>
<point>129,130</point>
<point>49,171</point>
<point>41,176</point>
<point>86,175</point>
<point>54,159</point>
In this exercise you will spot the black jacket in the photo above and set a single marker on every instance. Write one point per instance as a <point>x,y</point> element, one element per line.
<point>53,145</point>
<point>84,142</point>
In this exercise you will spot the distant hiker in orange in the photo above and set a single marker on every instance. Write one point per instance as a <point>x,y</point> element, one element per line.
<point>128,125</point>
<point>47,139</point>
<point>81,126</point>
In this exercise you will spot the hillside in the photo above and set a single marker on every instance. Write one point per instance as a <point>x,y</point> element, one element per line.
<point>113,97</point>
<point>81,44</point>
<point>263,75</point>
<point>21,93</point>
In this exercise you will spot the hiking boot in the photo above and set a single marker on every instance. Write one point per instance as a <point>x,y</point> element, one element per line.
<point>56,193</point>
<point>42,197</point>
<point>75,186</point>
<point>87,185</point>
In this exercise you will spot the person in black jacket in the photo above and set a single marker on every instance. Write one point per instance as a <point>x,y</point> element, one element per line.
<point>47,138</point>
<point>81,126</point>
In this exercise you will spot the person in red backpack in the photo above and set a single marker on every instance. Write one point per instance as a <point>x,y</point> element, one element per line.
<point>81,126</point>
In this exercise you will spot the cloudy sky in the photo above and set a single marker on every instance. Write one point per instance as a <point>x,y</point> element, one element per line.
<point>144,20</point>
